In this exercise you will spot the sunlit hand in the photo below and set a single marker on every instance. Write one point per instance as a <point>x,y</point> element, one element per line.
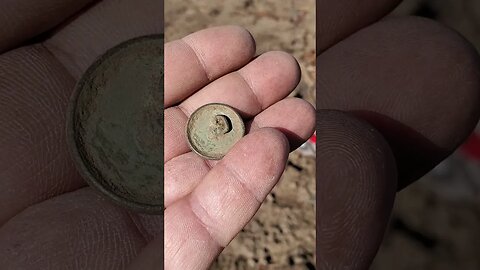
<point>208,203</point>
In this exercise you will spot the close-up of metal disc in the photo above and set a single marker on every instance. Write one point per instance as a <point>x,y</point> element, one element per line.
<point>213,129</point>
<point>115,124</point>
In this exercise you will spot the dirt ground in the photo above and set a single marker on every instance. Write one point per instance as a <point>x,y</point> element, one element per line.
<point>282,234</point>
<point>435,223</point>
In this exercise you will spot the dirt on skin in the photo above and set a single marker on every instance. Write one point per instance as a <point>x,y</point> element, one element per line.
<point>282,233</point>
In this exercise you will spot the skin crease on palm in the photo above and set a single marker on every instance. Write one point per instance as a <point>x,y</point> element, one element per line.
<point>399,82</point>
<point>50,220</point>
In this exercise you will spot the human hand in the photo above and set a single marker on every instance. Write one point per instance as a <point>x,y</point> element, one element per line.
<point>49,218</point>
<point>209,202</point>
<point>394,98</point>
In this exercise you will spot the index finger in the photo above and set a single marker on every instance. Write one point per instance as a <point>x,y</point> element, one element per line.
<point>198,226</point>
<point>199,58</point>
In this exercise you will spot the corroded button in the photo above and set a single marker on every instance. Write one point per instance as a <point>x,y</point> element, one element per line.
<point>213,129</point>
<point>115,124</point>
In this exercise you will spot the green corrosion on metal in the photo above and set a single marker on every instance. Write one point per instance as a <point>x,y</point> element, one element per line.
<point>213,129</point>
<point>116,124</point>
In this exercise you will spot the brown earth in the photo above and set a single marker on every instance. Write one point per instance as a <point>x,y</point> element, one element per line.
<point>282,234</point>
<point>435,223</point>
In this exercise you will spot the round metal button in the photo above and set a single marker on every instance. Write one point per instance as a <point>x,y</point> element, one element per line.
<point>115,124</point>
<point>213,129</point>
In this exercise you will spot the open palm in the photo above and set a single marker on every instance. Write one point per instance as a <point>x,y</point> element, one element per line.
<point>209,202</point>
<point>50,219</point>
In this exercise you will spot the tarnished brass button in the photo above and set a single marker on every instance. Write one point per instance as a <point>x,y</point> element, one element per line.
<point>213,129</point>
<point>115,124</point>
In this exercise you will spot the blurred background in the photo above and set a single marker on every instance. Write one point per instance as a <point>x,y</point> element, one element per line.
<point>282,234</point>
<point>436,221</point>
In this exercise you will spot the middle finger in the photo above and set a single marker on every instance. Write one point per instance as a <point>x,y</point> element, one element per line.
<point>256,86</point>
<point>293,116</point>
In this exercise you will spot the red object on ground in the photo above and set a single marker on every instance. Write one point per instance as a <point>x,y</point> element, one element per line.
<point>313,139</point>
<point>471,148</point>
